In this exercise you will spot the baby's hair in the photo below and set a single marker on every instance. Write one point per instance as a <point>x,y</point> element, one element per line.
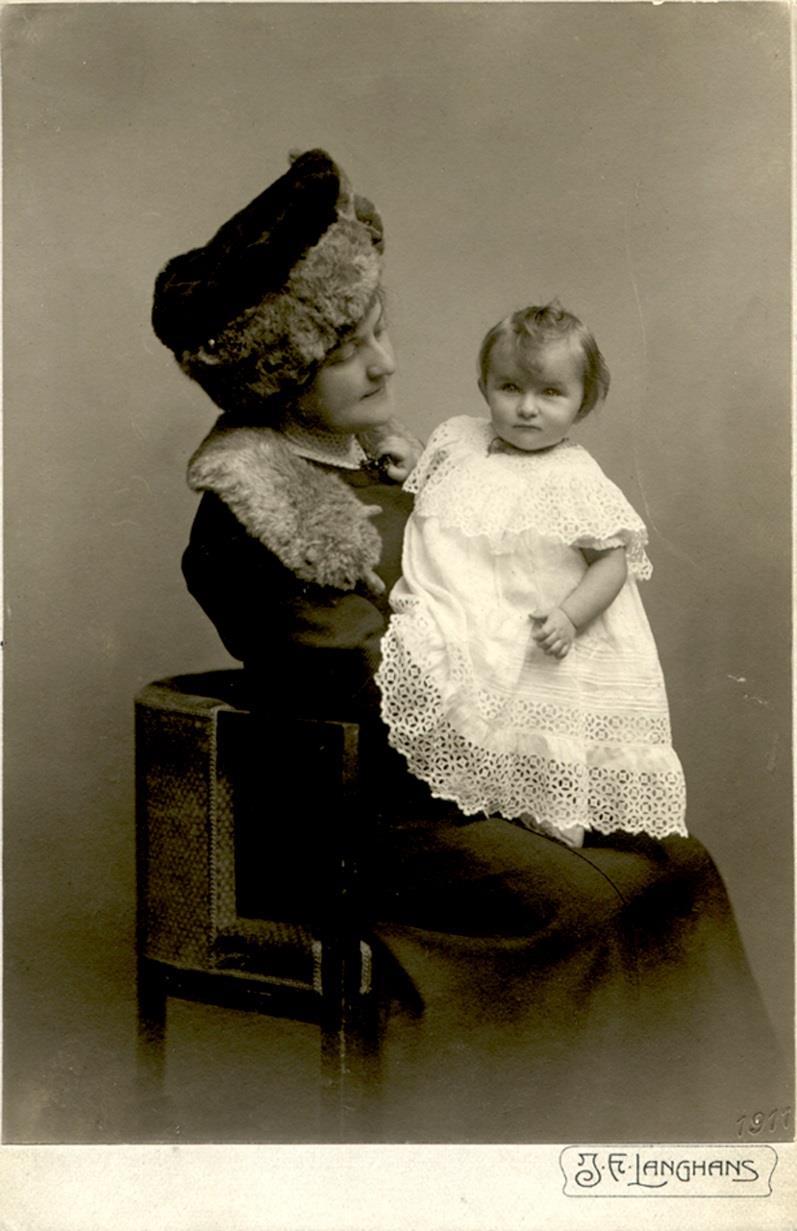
<point>529,329</point>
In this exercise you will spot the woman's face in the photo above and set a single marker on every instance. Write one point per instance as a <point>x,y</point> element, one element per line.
<point>351,390</point>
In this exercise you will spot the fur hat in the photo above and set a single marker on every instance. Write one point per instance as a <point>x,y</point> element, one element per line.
<point>250,315</point>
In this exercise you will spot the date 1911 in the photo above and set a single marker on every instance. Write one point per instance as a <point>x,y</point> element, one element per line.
<point>760,1123</point>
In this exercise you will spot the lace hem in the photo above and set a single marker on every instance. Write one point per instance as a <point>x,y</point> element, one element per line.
<point>510,770</point>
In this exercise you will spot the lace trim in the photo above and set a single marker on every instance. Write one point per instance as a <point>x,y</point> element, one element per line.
<point>560,493</point>
<point>342,451</point>
<point>511,755</point>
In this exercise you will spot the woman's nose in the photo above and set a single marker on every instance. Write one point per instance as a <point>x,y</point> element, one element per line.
<point>381,360</point>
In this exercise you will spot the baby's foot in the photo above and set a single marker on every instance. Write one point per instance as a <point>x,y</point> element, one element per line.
<point>573,836</point>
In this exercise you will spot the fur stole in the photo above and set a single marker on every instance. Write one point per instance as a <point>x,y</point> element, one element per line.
<point>309,519</point>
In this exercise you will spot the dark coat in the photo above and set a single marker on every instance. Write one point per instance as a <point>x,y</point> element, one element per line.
<point>554,994</point>
<point>314,646</point>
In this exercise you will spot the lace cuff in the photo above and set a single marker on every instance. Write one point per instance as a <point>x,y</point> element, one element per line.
<point>639,565</point>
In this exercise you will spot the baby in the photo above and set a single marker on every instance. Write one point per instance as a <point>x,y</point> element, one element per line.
<point>519,674</point>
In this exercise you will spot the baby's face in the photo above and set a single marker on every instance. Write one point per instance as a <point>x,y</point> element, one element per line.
<point>534,406</point>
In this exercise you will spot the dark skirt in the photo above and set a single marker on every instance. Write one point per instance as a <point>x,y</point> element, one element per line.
<point>537,993</point>
<point>547,994</point>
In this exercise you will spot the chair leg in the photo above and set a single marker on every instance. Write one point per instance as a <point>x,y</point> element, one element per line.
<point>349,1055</point>
<point>151,1050</point>
<point>151,993</point>
<point>334,1094</point>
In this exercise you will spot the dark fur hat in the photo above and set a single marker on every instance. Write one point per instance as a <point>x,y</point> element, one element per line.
<point>252,313</point>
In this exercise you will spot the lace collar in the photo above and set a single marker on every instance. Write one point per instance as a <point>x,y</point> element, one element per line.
<point>343,451</point>
<point>498,445</point>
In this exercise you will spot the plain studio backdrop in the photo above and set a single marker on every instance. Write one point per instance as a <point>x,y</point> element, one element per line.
<point>631,159</point>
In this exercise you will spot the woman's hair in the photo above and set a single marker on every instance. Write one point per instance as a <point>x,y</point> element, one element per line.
<point>530,329</point>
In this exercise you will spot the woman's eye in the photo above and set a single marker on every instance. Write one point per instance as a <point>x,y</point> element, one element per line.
<point>342,353</point>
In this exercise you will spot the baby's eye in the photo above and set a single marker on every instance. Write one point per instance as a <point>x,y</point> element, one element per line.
<point>551,392</point>
<point>508,387</point>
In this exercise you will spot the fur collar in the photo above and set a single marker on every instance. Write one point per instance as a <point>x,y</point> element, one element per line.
<point>307,517</point>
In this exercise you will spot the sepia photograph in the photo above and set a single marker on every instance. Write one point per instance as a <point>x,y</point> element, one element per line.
<point>397,726</point>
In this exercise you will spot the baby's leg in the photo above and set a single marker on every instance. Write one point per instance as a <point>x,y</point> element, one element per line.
<point>573,836</point>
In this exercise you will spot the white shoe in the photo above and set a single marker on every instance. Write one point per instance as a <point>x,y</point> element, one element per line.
<point>573,836</point>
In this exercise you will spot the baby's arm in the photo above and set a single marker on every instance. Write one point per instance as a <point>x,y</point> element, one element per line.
<point>602,582</point>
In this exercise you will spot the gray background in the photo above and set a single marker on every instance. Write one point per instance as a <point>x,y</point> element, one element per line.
<point>631,159</point>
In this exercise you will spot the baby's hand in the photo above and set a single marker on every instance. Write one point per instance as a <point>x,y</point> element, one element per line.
<point>554,633</point>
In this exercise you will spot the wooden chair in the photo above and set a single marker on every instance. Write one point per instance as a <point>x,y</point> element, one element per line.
<point>208,774</point>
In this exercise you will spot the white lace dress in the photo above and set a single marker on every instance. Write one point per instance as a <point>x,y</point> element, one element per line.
<point>478,710</point>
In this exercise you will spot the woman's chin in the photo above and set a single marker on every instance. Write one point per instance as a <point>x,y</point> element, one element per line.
<point>374,410</point>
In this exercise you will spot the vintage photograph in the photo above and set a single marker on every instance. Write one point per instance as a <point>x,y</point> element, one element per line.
<point>398,593</point>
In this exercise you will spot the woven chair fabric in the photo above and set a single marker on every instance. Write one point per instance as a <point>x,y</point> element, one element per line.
<point>186,810</point>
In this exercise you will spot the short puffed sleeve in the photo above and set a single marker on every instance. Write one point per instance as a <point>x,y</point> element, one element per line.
<point>584,508</point>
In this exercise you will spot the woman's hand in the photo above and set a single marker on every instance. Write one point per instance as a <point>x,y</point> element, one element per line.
<point>396,457</point>
<point>393,448</point>
<point>554,633</point>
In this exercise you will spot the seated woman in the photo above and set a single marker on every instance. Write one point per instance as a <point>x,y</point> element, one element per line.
<point>540,993</point>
